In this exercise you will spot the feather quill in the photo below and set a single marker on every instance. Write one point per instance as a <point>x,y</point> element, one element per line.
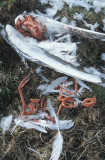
<point>58,142</point>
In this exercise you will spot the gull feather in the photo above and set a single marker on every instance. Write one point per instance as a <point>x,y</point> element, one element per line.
<point>30,49</point>
<point>6,122</point>
<point>55,83</point>
<point>63,124</point>
<point>28,125</point>
<point>58,142</point>
<point>34,53</point>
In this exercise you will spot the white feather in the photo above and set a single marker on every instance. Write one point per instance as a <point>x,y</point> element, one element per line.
<point>40,114</point>
<point>43,77</point>
<point>82,84</point>
<point>103,56</point>
<point>17,122</point>
<point>42,87</point>
<point>63,124</point>
<point>57,147</point>
<point>98,3</point>
<point>80,91</point>
<point>55,83</point>
<point>6,122</point>
<point>97,9</point>
<point>33,150</point>
<point>1,25</point>
<point>38,71</point>
<point>60,49</point>
<point>94,71</point>
<point>81,3</point>
<point>73,23</point>
<point>92,27</point>
<point>64,20</point>
<point>78,16</point>
<point>102,84</point>
<point>28,125</point>
<point>44,1</point>
<point>58,142</point>
<point>32,52</point>
<point>50,12</point>
<point>52,111</point>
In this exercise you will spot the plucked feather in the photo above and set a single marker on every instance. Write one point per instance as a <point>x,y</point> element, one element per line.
<point>63,124</point>
<point>58,142</point>
<point>94,71</point>
<point>33,150</point>
<point>6,122</point>
<point>40,114</point>
<point>42,87</point>
<point>17,122</point>
<point>38,71</point>
<point>103,56</point>
<point>28,125</point>
<point>55,83</point>
<point>82,84</point>
<point>57,147</point>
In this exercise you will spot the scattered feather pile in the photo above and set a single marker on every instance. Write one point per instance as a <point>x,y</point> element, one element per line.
<point>29,48</point>
<point>42,126</point>
<point>57,52</point>
<point>87,4</point>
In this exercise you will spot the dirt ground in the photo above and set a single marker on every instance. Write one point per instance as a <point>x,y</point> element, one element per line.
<point>86,139</point>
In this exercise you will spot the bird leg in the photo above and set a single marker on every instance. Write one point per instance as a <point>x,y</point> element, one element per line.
<point>20,88</point>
